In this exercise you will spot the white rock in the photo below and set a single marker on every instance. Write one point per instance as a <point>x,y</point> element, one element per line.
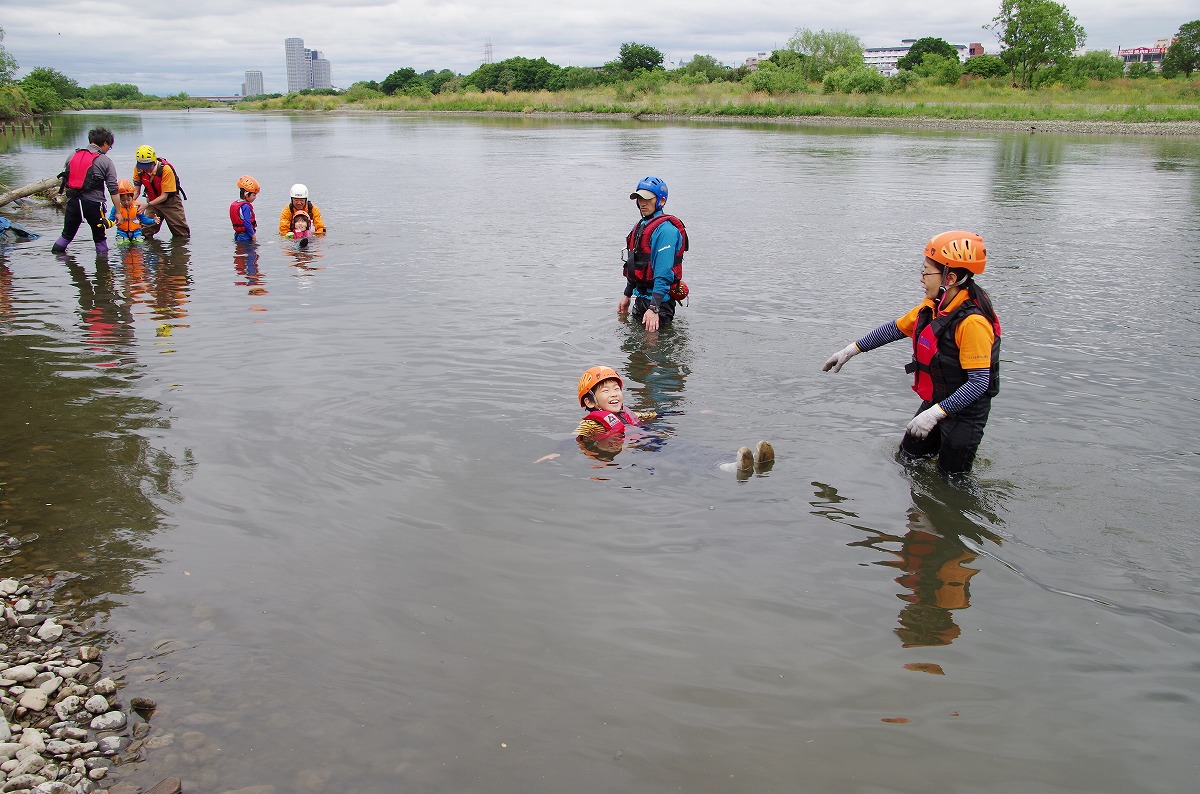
<point>111,721</point>
<point>33,739</point>
<point>50,631</point>
<point>109,745</point>
<point>59,747</point>
<point>105,686</point>
<point>67,706</point>
<point>34,700</point>
<point>29,765</point>
<point>9,749</point>
<point>50,685</point>
<point>97,704</point>
<point>23,605</point>
<point>9,586</point>
<point>5,730</point>
<point>22,672</point>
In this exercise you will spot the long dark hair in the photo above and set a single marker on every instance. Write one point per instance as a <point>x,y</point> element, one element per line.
<point>975,292</point>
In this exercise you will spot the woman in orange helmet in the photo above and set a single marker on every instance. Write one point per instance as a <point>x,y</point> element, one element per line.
<point>956,353</point>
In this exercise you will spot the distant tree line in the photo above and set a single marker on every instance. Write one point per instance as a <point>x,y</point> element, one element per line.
<point>1038,40</point>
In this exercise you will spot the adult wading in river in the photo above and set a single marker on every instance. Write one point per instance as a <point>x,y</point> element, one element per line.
<point>87,173</point>
<point>164,194</point>
<point>956,353</point>
<point>653,258</point>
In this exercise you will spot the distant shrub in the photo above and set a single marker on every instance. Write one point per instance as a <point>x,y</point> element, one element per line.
<point>855,80</point>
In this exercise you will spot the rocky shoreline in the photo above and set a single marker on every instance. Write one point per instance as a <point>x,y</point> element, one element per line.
<point>65,726</point>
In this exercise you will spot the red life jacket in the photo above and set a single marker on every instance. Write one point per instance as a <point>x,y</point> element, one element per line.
<point>614,424</point>
<point>79,169</point>
<point>639,268</point>
<point>936,370</point>
<point>235,215</point>
<point>152,180</point>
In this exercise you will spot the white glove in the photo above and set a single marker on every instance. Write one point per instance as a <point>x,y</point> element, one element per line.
<point>923,423</point>
<point>839,359</point>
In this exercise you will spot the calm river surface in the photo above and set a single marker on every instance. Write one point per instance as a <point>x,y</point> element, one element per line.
<point>300,489</point>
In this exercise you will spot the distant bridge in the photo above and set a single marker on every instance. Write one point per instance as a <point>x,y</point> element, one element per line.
<point>219,98</point>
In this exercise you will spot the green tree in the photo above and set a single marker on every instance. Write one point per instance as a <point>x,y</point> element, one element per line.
<point>1184,53</point>
<point>53,80</point>
<point>921,47</point>
<point>8,64</point>
<point>1035,34</point>
<point>398,80</point>
<point>1097,65</point>
<point>119,92</point>
<point>939,69</point>
<point>705,66</point>
<point>826,50</point>
<point>578,77</point>
<point>985,66</point>
<point>633,56</point>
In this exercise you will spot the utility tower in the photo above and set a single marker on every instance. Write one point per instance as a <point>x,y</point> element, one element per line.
<point>487,50</point>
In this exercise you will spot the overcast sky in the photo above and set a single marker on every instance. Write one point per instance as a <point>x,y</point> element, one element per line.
<point>205,46</point>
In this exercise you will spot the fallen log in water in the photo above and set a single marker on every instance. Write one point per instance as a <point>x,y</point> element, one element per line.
<point>50,183</point>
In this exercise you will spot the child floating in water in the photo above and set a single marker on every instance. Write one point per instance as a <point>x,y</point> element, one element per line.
<point>301,228</point>
<point>601,393</point>
<point>129,216</point>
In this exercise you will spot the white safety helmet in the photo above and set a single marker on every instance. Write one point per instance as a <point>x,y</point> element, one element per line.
<point>299,191</point>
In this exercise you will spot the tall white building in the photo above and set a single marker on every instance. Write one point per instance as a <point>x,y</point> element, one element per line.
<point>253,86</point>
<point>298,70</point>
<point>306,68</point>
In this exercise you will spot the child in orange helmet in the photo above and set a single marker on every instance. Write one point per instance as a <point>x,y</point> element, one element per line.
<point>129,216</point>
<point>241,212</point>
<point>601,393</point>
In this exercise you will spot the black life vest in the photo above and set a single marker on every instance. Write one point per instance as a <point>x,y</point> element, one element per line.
<point>152,181</point>
<point>235,215</point>
<point>79,176</point>
<point>639,267</point>
<point>614,424</point>
<point>936,370</point>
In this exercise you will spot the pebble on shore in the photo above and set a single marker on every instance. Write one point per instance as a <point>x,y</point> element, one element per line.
<point>63,727</point>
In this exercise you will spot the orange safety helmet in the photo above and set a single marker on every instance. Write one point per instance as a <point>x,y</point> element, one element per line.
<point>124,186</point>
<point>958,249</point>
<point>248,184</point>
<point>593,377</point>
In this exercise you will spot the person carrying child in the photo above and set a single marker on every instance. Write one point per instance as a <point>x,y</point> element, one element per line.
<point>301,228</point>
<point>241,212</point>
<point>601,394</point>
<point>300,203</point>
<point>129,216</point>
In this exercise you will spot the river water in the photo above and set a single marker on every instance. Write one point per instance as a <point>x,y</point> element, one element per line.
<point>299,490</point>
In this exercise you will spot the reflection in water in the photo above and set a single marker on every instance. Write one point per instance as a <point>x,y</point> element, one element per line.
<point>1026,166</point>
<point>79,472</point>
<point>932,556</point>
<point>157,276</point>
<point>245,263</point>
<point>106,320</point>
<point>304,256</point>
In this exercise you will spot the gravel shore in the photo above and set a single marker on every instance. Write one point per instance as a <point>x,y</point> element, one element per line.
<point>64,723</point>
<point>1154,128</point>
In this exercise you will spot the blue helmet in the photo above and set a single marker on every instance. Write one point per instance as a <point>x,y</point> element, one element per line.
<point>654,185</point>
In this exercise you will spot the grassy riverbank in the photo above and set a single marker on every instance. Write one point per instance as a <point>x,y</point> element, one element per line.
<point>1124,101</point>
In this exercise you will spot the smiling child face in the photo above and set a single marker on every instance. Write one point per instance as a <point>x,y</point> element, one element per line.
<point>608,396</point>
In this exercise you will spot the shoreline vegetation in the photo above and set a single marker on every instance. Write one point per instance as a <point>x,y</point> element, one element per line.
<point>1123,108</point>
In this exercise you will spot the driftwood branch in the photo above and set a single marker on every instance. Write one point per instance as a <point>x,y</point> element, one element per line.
<point>50,183</point>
